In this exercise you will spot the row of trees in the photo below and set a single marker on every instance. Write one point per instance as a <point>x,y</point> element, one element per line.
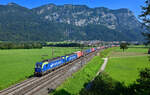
<point>65,44</point>
<point>11,45</point>
<point>31,45</point>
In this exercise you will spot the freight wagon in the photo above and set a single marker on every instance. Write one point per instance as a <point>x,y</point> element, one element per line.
<point>79,54</point>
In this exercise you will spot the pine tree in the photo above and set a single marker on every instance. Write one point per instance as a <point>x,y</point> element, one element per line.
<point>145,17</point>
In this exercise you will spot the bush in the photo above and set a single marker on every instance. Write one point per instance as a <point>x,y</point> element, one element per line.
<point>105,85</point>
<point>142,85</point>
<point>123,46</point>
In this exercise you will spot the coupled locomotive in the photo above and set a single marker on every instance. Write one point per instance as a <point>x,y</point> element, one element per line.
<point>49,65</point>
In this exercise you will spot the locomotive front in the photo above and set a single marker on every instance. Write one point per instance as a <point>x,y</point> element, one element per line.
<point>38,69</point>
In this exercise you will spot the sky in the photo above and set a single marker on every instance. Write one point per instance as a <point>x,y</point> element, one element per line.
<point>133,5</point>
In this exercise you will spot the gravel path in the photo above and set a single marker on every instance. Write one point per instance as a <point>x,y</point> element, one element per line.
<point>101,70</point>
<point>103,66</point>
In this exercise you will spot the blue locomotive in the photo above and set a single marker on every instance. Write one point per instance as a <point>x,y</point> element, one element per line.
<point>47,66</point>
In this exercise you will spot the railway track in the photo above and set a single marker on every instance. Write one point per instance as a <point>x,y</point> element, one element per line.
<point>17,86</point>
<point>51,85</point>
<point>50,80</point>
<point>33,85</point>
<point>22,88</point>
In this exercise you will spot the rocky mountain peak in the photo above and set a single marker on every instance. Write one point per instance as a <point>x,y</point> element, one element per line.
<point>123,10</point>
<point>81,15</point>
<point>11,4</point>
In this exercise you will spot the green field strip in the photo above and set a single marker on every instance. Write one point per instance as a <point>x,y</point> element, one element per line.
<point>76,82</point>
<point>126,68</point>
<point>18,64</point>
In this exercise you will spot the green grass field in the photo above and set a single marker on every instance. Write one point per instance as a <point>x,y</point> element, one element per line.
<point>18,64</point>
<point>139,46</point>
<point>125,66</point>
<point>142,50</point>
<point>74,84</point>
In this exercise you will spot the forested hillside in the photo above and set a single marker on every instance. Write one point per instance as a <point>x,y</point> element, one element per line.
<point>67,22</point>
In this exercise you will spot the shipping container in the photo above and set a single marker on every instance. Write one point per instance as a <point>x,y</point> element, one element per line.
<point>92,49</point>
<point>79,53</point>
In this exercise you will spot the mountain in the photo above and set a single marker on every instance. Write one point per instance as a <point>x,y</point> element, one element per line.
<point>82,15</point>
<point>67,22</point>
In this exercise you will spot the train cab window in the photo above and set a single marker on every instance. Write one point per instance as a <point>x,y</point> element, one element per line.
<point>38,66</point>
<point>35,66</point>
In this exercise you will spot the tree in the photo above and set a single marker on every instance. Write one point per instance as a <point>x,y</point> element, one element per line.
<point>145,17</point>
<point>123,46</point>
<point>149,51</point>
<point>103,84</point>
<point>141,86</point>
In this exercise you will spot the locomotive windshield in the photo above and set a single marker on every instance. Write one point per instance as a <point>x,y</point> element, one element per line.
<point>37,66</point>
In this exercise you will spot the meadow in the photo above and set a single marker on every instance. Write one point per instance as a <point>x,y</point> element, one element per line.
<point>18,64</point>
<point>74,84</point>
<point>125,66</point>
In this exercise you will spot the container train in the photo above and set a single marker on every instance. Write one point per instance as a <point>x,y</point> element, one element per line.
<point>49,65</point>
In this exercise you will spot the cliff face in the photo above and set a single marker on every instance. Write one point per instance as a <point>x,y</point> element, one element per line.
<point>82,15</point>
